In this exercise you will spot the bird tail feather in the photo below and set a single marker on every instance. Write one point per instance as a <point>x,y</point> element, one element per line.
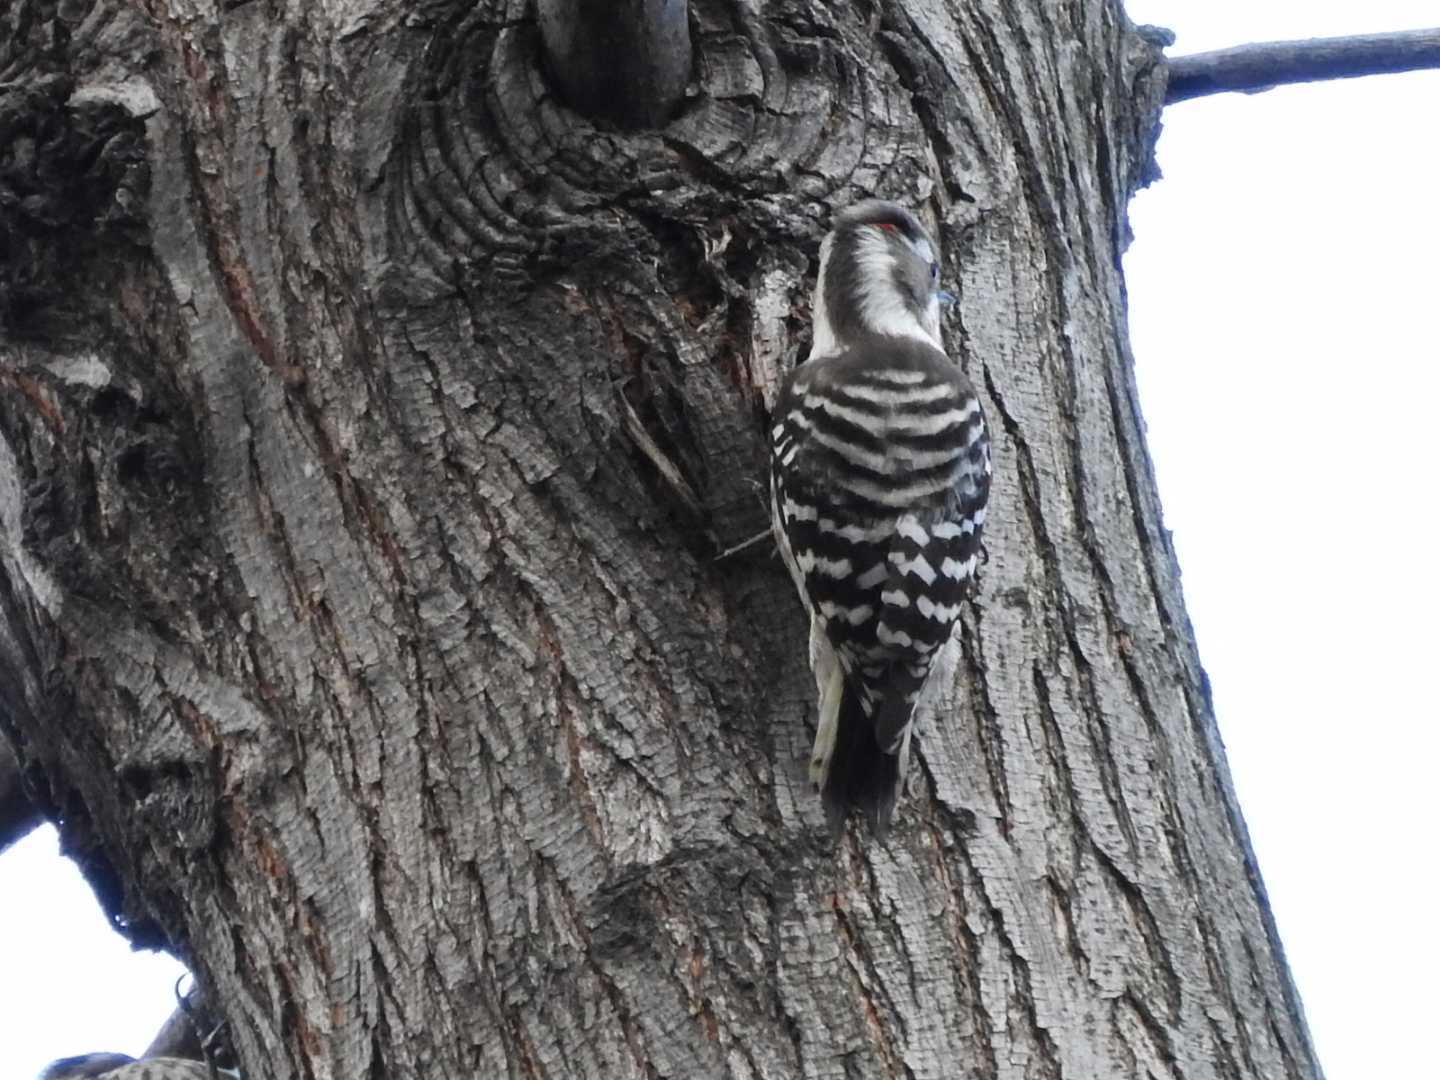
<point>853,772</point>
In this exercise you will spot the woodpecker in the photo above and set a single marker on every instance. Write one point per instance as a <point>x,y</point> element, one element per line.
<point>124,1067</point>
<point>879,478</point>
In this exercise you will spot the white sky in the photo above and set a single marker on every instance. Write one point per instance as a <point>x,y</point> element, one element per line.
<point>1285,312</point>
<point>1285,315</point>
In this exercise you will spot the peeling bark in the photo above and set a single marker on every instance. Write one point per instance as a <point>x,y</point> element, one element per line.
<point>373,664</point>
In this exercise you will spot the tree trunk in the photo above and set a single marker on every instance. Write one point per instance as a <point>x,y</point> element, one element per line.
<point>371,425</point>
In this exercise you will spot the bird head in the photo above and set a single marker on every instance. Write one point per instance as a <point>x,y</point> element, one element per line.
<point>84,1066</point>
<point>879,277</point>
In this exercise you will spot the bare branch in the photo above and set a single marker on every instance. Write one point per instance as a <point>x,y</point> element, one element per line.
<point>1251,68</point>
<point>624,60</point>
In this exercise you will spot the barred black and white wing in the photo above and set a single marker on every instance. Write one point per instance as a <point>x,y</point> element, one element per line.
<point>880,475</point>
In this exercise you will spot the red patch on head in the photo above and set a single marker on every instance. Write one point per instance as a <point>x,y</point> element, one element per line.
<point>885,225</point>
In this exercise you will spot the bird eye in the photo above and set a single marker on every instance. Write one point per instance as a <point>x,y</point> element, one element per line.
<point>934,271</point>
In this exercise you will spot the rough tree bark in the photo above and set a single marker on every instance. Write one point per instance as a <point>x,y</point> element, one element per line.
<point>18,813</point>
<point>370,426</point>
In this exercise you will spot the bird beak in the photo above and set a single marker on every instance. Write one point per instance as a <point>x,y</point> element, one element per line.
<point>947,298</point>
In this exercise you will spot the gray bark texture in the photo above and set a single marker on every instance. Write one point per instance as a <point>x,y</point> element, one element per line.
<point>369,427</point>
<point>18,813</point>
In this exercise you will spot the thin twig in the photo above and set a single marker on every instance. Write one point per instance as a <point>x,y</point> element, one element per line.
<point>1251,68</point>
<point>743,544</point>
